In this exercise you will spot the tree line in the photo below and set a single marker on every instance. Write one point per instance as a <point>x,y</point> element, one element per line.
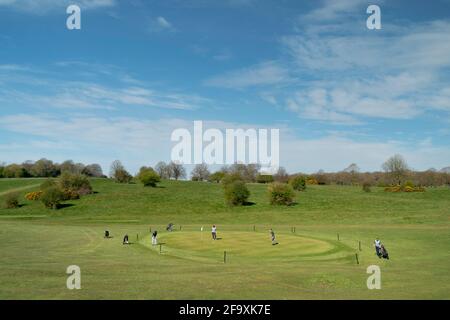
<point>395,171</point>
<point>45,168</point>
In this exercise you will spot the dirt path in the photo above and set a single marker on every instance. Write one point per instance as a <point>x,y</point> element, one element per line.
<point>19,189</point>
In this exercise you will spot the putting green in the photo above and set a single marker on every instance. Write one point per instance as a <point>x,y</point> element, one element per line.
<point>246,246</point>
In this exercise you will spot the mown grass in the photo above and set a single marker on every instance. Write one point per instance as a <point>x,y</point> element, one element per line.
<point>38,244</point>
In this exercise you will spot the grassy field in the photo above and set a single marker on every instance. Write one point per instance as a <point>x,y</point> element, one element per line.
<point>38,244</point>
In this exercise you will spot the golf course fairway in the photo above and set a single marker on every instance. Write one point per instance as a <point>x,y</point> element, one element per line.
<point>325,244</point>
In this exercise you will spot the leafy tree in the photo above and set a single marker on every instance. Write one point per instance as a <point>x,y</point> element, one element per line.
<point>75,183</point>
<point>119,173</point>
<point>396,167</point>
<point>148,177</point>
<point>44,168</point>
<point>52,197</point>
<point>14,171</point>
<point>28,166</point>
<point>93,170</point>
<point>68,166</point>
<point>281,193</point>
<point>200,172</point>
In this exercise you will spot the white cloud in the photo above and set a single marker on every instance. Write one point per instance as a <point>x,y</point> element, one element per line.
<point>160,24</point>
<point>47,92</point>
<point>395,73</point>
<point>332,10</point>
<point>266,73</point>
<point>422,45</point>
<point>140,141</point>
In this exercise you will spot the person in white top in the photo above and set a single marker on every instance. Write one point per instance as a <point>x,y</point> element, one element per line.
<point>214,232</point>
<point>378,247</point>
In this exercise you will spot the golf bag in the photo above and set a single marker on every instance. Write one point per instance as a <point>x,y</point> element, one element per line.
<point>384,253</point>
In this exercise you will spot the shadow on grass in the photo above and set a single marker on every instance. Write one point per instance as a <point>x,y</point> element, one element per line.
<point>248,204</point>
<point>65,205</point>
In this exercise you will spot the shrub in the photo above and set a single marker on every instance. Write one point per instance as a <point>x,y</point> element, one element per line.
<point>75,183</point>
<point>404,188</point>
<point>298,183</point>
<point>231,177</point>
<point>149,177</point>
<point>33,196</point>
<point>236,193</point>
<point>12,201</point>
<point>52,197</point>
<point>216,176</point>
<point>393,189</point>
<point>281,194</point>
<point>70,195</point>
<point>122,176</point>
<point>408,184</point>
<point>366,187</point>
<point>264,178</point>
<point>311,181</point>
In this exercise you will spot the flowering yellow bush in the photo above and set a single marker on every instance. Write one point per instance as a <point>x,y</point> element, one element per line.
<point>311,181</point>
<point>33,196</point>
<point>406,188</point>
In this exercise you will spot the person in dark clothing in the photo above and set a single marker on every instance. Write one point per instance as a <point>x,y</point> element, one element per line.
<point>125,239</point>
<point>106,234</point>
<point>272,237</point>
<point>169,227</point>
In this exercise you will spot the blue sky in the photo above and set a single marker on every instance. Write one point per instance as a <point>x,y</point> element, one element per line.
<point>137,70</point>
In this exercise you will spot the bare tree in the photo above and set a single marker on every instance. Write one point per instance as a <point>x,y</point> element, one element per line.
<point>200,172</point>
<point>353,168</point>
<point>281,175</point>
<point>115,166</point>
<point>396,167</point>
<point>176,170</point>
<point>162,170</point>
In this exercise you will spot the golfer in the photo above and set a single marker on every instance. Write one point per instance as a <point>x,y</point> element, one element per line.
<point>272,236</point>
<point>214,232</point>
<point>125,239</point>
<point>378,247</point>
<point>154,238</point>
